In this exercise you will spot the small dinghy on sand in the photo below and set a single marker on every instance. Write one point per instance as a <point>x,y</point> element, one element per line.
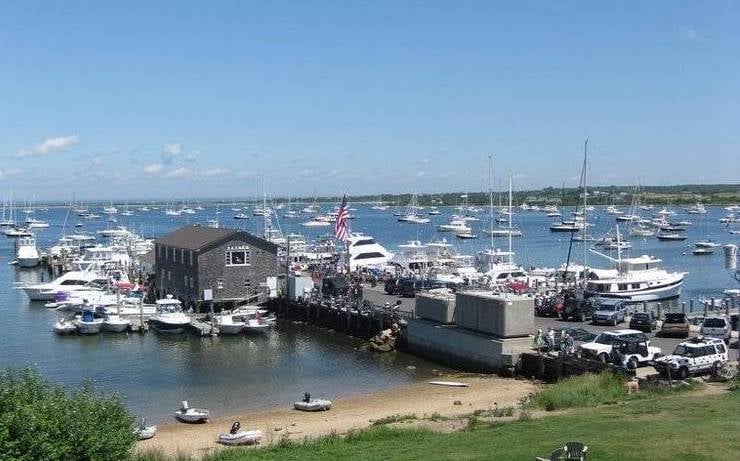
<point>191,415</point>
<point>144,432</point>
<point>237,437</point>
<point>309,404</point>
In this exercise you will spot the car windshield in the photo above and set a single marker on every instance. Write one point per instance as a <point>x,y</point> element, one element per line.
<point>604,338</point>
<point>608,308</point>
<point>641,316</point>
<point>714,323</point>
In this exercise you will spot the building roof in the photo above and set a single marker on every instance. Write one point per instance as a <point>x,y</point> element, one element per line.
<point>196,238</point>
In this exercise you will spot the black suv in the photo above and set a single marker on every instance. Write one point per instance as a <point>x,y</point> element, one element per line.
<point>409,287</point>
<point>643,321</point>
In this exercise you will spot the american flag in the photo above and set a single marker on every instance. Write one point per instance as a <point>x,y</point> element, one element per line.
<point>341,228</point>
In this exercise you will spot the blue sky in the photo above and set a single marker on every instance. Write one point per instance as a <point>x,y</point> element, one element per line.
<point>176,98</point>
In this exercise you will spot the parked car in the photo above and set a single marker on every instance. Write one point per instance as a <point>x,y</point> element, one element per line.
<point>717,327</point>
<point>696,356</point>
<point>335,287</point>
<point>575,308</point>
<point>408,287</point>
<point>674,324</point>
<point>392,286</point>
<point>601,347</point>
<point>579,335</point>
<point>643,321</point>
<point>609,314</point>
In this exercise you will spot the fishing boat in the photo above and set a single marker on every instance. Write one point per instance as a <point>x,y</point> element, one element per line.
<point>169,317</point>
<point>114,323</point>
<point>87,324</point>
<point>703,251</point>
<point>27,255</point>
<point>191,415</point>
<point>66,282</point>
<point>227,325</point>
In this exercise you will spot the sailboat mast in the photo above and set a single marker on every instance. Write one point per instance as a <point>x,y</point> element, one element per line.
<point>585,195</point>
<point>510,261</point>
<point>490,208</point>
<point>264,210</point>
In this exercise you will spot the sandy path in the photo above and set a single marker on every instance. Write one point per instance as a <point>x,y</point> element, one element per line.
<point>347,413</point>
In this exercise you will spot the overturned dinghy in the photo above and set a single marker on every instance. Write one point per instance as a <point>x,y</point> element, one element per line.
<point>144,432</point>
<point>309,404</point>
<point>191,415</point>
<point>238,437</point>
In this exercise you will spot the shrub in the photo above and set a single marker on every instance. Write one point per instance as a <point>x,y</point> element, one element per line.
<point>40,420</point>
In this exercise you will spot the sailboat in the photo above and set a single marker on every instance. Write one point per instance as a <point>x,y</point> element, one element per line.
<point>510,230</point>
<point>707,246</point>
<point>412,216</point>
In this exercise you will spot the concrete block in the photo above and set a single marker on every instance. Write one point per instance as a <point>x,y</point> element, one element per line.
<point>298,287</point>
<point>438,307</point>
<point>503,316</point>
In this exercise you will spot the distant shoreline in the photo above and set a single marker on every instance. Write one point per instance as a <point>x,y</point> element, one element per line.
<point>676,195</point>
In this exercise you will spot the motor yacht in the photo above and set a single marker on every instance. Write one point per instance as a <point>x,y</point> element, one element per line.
<point>68,281</point>
<point>365,251</point>
<point>634,280</point>
<point>27,255</point>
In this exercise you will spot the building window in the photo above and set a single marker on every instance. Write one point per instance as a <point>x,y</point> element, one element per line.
<point>191,258</point>
<point>237,258</point>
<point>169,276</point>
<point>247,285</point>
<point>191,282</point>
<point>182,256</point>
<point>185,283</point>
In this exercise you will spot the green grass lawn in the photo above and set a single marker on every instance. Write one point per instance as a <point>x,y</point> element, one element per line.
<point>684,426</point>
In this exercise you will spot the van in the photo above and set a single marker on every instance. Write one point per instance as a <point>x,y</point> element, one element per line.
<point>717,327</point>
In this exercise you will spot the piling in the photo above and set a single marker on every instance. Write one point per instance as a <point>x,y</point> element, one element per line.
<point>683,307</point>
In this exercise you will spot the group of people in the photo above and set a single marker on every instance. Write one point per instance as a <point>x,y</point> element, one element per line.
<point>552,341</point>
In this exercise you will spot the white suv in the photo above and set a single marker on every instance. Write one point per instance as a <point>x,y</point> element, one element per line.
<point>717,327</point>
<point>601,347</point>
<point>697,356</point>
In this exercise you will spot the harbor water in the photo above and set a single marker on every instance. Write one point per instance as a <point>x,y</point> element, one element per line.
<point>153,372</point>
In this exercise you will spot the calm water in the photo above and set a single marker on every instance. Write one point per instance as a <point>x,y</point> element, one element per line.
<point>154,372</point>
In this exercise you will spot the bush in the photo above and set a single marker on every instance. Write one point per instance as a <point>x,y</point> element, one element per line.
<point>40,420</point>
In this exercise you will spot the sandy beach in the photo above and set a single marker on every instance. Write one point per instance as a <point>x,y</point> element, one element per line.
<point>349,413</point>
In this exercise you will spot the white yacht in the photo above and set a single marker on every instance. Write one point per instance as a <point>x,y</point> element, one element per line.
<point>316,223</point>
<point>169,317</point>
<point>365,251</point>
<point>696,209</point>
<point>635,280</point>
<point>27,254</point>
<point>69,281</point>
<point>455,225</point>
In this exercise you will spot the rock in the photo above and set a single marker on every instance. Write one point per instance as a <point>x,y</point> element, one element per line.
<point>411,367</point>
<point>278,429</point>
<point>457,402</point>
<point>292,424</point>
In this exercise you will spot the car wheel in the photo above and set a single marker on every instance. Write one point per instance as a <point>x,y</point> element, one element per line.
<point>603,358</point>
<point>614,322</point>
<point>582,318</point>
<point>683,373</point>
<point>715,368</point>
<point>633,363</point>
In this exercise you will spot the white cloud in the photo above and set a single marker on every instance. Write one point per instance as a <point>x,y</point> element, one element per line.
<point>50,146</point>
<point>192,156</point>
<point>9,172</point>
<point>177,173</point>
<point>425,160</point>
<point>215,171</point>
<point>153,168</point>
<point>245,174</point>
<point>170,151</point>
<point>98,160</point>
<point>420,174</point>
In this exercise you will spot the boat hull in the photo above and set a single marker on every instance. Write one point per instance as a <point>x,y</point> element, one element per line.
<point>659,293</point>
<point>167,328</point>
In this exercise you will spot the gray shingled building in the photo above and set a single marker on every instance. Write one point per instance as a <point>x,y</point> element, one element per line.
<point>233,263</point>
